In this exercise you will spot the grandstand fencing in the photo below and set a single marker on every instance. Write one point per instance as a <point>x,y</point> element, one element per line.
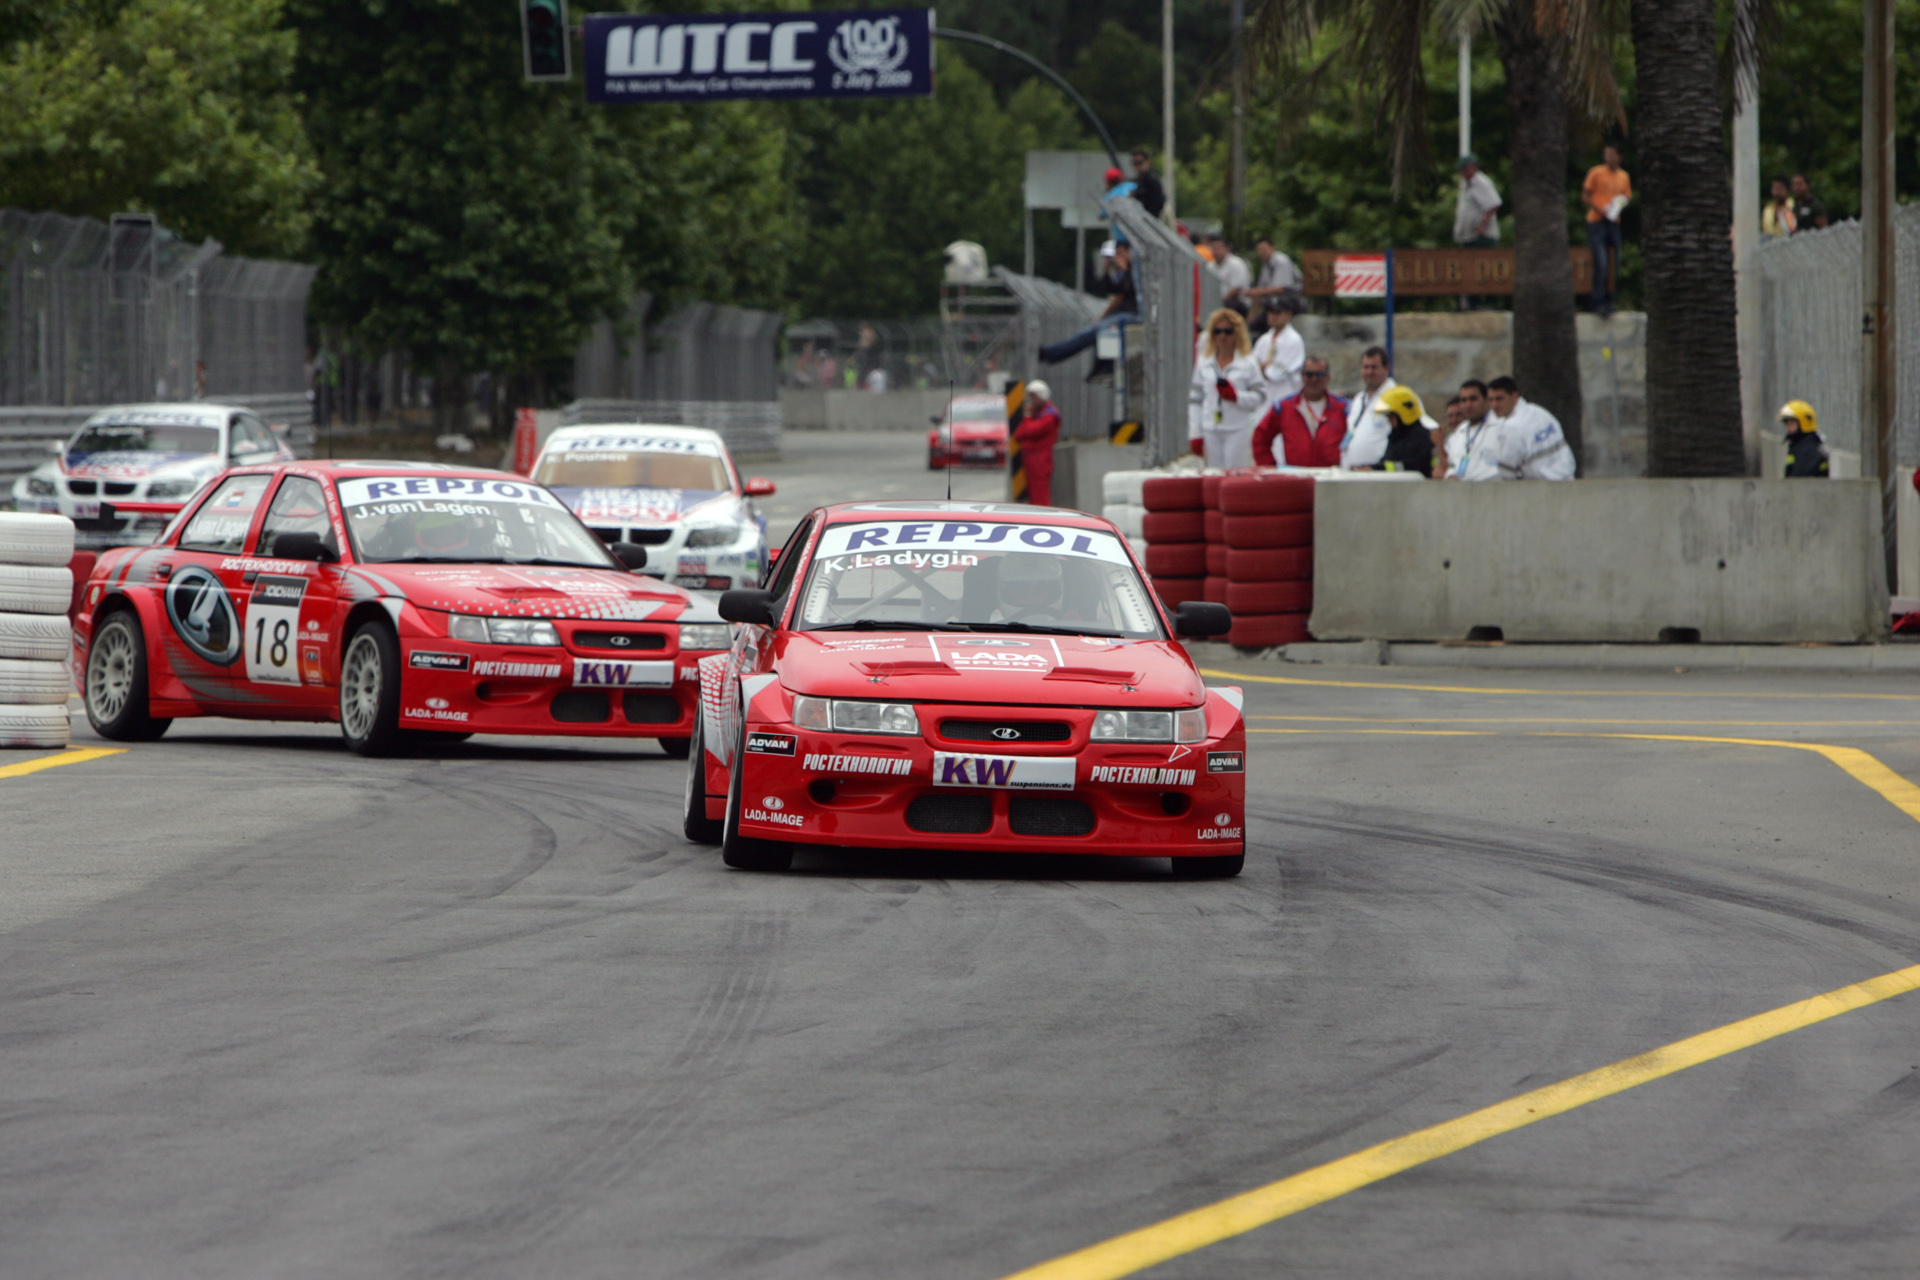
<point>1178,289</point>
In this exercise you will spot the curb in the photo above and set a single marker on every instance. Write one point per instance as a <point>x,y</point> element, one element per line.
<point>1901,659</point>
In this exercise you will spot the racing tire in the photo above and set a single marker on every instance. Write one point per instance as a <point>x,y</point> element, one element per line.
<point>1263,631</point>
<point>27,682</point>
<point>748,853</point>
<point>1269,531</point>
<point>34,726</point>
<point>1174,526</point>
<point>1173,493</point>
<point>1270,564</point>
<point>694,821</point>
<point>1215,525</point>
<point>35,588</point>
<point>35,636</point>
<point>1266,495</point>
<point>370,693</point>
<point>29,538</point>
<point>1217,560</point>
<point>1174,592</point>
<point>1214,589</point>
<point>677,748</point>
<point>1177,559</point>
<point>1270,597</point>
<point>1210,491</point>
<point>1213,868</point>
<point>116,683</point>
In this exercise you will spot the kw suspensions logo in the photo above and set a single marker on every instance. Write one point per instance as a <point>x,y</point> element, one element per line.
<point>817,54</point>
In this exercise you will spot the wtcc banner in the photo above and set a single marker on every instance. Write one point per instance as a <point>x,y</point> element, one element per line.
<point>855,53</point>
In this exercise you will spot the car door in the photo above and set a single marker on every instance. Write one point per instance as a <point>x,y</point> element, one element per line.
<point>288,616</point>
<point>203,599</point>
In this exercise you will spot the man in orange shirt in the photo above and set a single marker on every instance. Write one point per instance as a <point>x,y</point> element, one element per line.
<point>1606,191</point>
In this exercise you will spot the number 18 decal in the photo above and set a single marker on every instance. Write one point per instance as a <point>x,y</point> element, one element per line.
<point>273,625</point>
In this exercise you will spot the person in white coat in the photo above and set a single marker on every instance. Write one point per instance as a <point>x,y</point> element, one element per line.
<point>1367,424</point>
<point>1531,443</point>
<point>1281,352</point>
<point>1228,396</point>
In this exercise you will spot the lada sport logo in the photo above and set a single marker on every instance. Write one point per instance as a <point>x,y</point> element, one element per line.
<point>202,615</point>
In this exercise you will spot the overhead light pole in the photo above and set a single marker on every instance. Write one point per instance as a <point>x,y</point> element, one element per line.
<point>1746,244</point>
<point>1878,369</point>
<point>1166,102</point>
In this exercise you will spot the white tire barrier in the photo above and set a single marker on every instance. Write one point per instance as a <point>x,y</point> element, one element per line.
<point>29,538</point>
<point>34,589</point>
<point>34,726</point>
<point>25,682</point>
<point>42,637</point>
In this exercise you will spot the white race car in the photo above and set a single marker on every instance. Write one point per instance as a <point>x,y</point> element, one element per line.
<point>124,474</point>
<point>672,490</point>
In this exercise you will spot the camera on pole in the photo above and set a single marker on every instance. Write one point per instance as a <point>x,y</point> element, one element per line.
<point>543,32</point>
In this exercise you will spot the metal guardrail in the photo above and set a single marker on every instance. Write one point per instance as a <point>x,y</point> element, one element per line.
<point>1177,290</point>
<point>1050,312</point>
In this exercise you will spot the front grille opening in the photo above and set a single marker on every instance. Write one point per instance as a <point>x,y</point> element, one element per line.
<point>82,486</point>
<point>820,791</point>
<point>1175,803</point>
<point>605,534</point>
<point>582,706</point>
<point>1049,816</point>
<point>951,815</point>
<point>649,537</point>
<point>1006,730</point>
<point>625,641</point>
<point>118,488</point>
<point>644,708</point>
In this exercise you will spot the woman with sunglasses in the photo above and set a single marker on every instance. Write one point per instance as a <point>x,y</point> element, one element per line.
<point>1228,395</point>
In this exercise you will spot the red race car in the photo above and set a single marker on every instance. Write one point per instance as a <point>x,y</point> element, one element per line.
<point>967,676</point>
<point>401,599</point>
<point>972,433</point>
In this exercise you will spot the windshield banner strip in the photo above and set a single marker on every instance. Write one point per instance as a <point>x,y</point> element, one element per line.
<point>628,442</point>
<point>362,490</point>
<point>970,535</point>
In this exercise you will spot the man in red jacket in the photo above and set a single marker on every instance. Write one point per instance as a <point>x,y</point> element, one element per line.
<point>1036,434</point>
<point>1310,425</point>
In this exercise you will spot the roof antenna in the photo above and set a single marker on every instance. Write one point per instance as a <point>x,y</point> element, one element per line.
<point>949,442</point>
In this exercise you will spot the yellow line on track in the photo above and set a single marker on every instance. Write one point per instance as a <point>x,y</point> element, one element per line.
<point>1188,1232</point>
<point>78,755</point>
<point>1560,693</point>
<point>1750,724</point>
<point>1137,1250</point>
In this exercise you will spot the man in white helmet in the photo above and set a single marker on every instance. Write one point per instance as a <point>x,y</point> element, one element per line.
<point>1038,430</point>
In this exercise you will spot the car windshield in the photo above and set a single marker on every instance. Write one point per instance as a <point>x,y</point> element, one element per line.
<point>633,462</point>
<point>967,575</point>
<point>146,437</point>
<point>464,520</point>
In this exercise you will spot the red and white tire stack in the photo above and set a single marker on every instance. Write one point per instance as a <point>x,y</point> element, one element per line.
<point>1267,527</point>
<point>1215,588</point>
<point>1175,527</point>
<point>36,640</point>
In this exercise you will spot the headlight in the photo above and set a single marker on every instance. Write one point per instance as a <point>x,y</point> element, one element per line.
<point>1151,726</point>
<point>712,535</point>
<point>40,488</point>
<point>832,715</point>
<point>171,488</point>
<point>502,630</point>
<point>706,635</point>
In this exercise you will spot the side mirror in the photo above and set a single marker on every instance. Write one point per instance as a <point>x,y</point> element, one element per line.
<point>56,447</point>
<point>747,604</point>
<point>303,544</point>
<point>759,487</point>
<point>630,554</point>
<point>1201,619</point>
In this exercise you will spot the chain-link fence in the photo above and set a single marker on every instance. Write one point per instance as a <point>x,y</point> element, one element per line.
<point>1048,313</point>
<point>1810,330</point>
<point>1177,289</point>
<point>95,313</point>
<point>700,352</point>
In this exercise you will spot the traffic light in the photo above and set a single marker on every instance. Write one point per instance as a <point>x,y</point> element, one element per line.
<point>543,30</point>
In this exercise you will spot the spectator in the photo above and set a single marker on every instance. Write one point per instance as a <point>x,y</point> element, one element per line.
<point>1409,434</point>
<point>1776,216</point>
<point>1123,306</point>
<point>1280,350</point>
<point>1469,450</point>
<point>1146,183</point>
<point>877,380</point>
<point>1476,211</point>
<point>1528,441</point>
<point>1277,274</point>
<point>1606,192</point>
<point>1809,212</point>
<point>1806,452</point>
<point>1367,431</point>
<point>1228,395</point>
<point>1455,416</point>
<point>1310,425</point>
<point>1235,276</point>
<point>1038,430</point>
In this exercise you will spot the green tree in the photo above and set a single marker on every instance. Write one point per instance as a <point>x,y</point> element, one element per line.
<point>177,107</point>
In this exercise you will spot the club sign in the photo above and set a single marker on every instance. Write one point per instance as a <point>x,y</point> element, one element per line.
<point>856,53</point>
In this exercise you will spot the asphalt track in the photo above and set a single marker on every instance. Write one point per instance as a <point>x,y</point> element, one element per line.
<point>267,1009</point>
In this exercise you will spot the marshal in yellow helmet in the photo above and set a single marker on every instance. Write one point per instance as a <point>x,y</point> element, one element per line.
<point>1402,403</point>
<point>1798,416</point>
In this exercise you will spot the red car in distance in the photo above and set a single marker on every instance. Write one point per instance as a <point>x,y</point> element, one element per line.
<point>404,600</point>
<point>981,677</point>
<point>971,433</point>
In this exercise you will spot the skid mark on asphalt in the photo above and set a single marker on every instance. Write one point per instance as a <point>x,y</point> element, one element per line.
<point>1212,674</point>
<point>1185,1233</point>
<point>77,755</point>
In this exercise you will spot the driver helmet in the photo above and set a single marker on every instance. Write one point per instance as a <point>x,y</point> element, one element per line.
<point>1029,581</point>
<point>440,534</point>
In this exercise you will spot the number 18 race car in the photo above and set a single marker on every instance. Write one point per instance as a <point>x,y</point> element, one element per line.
<point>965,676</point>
<point>401,599</point>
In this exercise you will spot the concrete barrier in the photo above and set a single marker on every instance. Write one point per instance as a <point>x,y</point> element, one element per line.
<point>835,410</point>
<point>1737,561</point>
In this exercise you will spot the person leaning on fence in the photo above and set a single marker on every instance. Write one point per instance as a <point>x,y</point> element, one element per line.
<point>1123,305</point>
<point>1528,442</point>
<point>1037,432</point>
<point>1806,452</point>
<point>1228,394</point>
<point>1310,425</point>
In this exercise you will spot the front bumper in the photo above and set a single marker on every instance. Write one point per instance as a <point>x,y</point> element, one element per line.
<point>474,688</point>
